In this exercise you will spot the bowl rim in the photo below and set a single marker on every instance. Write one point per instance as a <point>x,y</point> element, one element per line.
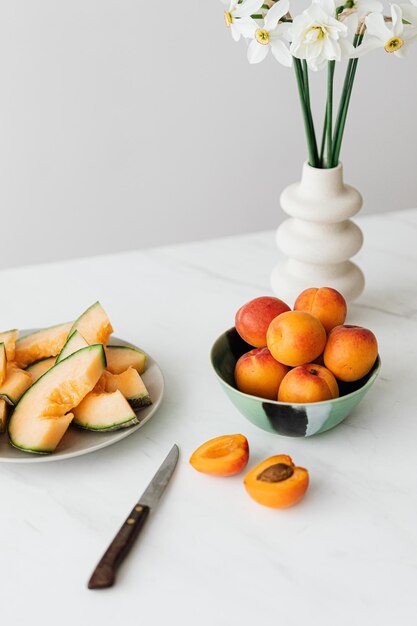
<point>369,382</point>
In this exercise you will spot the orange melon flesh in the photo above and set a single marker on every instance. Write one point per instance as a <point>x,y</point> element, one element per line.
<point>130,384</point>
<point>3,415</point>
<point>94,325</point>
<point>3,363</point>
<point>120,358</point>
<point>74,342</point>
<point>42,344</point>
<point>42,416</point>
<point>38,369</point>
<point>9,337</point>
<point>104,411</point>
<point>14,386</point>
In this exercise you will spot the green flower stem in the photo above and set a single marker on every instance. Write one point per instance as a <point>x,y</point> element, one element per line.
<point>344,103</point>
<point>329,113</point>
<point>306,83</point>
<point>313,157</point>
<point>323,139</point>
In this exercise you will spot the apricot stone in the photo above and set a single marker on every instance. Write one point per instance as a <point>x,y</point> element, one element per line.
<point>277,482</point>
<point>259,374</point>
<point>350,352</point>
<point>308,383</point>
<point>253,318</point>
<point>327,304</point>
<point>295,338</point>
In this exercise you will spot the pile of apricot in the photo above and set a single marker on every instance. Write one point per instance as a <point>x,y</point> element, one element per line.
<point>276,482</point>
<point>300,355</point>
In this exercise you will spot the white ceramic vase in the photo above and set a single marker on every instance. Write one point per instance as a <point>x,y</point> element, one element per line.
<point>319,238</point>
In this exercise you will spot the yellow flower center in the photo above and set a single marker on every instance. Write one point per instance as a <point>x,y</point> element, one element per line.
<point>262,36</point>
<point>228,18</point>
<point>319,32</point>
<point>394,44</point>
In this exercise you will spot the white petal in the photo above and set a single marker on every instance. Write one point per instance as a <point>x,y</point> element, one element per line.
<point>246,27</point>
<point>376,27</point>
<point>409,13</point>
<point>235,32</point>
<point>248,7</point>
<point>371,43</point>
<point>256,52</point>
<point>328,6</point>
<point>409,34</point>
<point>397,20</point>
<point>274,14</point>
<point>369,6</point>
<point>281,52</point>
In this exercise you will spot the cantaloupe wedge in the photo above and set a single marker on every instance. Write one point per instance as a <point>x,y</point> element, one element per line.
<point>94,325</point>
<point>43,414</point>
<point>74,342</point>
<point>120,358</point>
<point>3,363</point>
<point>42,344</point>
<point>3,415</point>
<point>38,369</point>
<point>104,412</point>
<point>129,383</point>
<point>9,337</point>
<point>17,381</point>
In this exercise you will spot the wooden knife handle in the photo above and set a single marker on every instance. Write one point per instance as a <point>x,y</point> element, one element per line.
<point>105,573</point>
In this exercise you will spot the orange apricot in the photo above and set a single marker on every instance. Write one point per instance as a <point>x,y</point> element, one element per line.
<point>350,352</point>
<point>295,338</point>
<point>308,383</point>
<point>223,456</point>
<point>253,318</point>
<point>276,482</point>
<point>259,374</point>
<point>327,304</point>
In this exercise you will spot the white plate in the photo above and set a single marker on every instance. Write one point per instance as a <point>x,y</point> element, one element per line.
<point>77,441</point>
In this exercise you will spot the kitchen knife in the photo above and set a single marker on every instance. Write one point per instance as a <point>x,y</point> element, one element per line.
<point>105,573</point>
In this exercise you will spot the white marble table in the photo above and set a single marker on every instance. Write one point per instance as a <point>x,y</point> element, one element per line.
<point>210,556</point>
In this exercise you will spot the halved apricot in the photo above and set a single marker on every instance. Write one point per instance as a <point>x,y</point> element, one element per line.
<point>222,456</point>
<point>276,482</point>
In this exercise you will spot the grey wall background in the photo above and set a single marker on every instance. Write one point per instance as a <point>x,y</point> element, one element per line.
<point>127,124</point>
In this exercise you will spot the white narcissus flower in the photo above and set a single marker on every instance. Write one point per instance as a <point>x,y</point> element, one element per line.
<point>317,36</point>
<point>378,35</point>
<point>271,36</point>
<point>364,6</point>
<point>410,12</point>
<point>238,18</point>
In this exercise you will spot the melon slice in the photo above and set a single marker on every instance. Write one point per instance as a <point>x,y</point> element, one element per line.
<point>3,415</point>
<point>104,412</point>
<point>74,342</point>
<point>42,344</point>
<point>94,325</point>
<point>42,416</point>
<point>130,384</point>
<point>9,337</point>
<point>39,368</point>
<point>3,363</point>
<point>16,383</point>
<point>120,358</point>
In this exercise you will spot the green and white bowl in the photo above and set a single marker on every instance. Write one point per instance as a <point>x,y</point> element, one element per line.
<point>285,418</point>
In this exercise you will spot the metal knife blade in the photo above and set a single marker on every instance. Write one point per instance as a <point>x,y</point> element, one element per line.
<point>104,574</point>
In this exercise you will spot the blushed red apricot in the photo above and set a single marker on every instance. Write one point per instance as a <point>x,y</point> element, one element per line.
<point>259,374</point>
<point>308,383</point>
<point>350,352</point>
<point>253,318</point>
<point>223,456</point>
<point>277,482</point>
<point>327,304</point>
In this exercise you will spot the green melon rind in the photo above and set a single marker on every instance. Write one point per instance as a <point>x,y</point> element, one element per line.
<point>8,399</point>
<point>131,349</point>
<point>37,450</point>
<point>71,337</point>
<point>140,402</point>
<point>130,422</point>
